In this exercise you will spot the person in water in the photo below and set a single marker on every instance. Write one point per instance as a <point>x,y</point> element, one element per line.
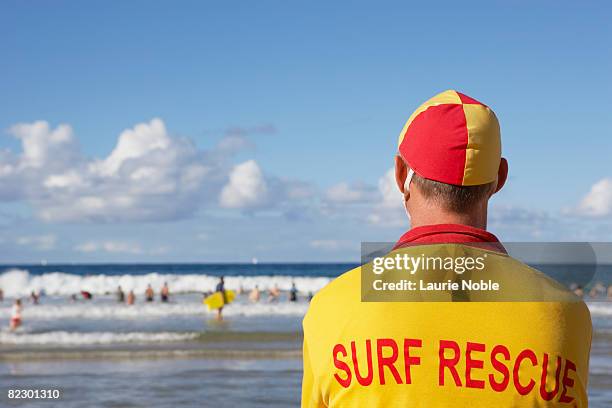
<point>293,293</point>
<point>524,344</point>
<point>255,294</point>
<point>131,298</point>
<point>273,293</point>
<point>120,295</point>
<point>16,315</point>
<point>165,293</point>
<point>221,289</point>
<point>149,294</point>
<point>34,298</point>
<point>86,295</point>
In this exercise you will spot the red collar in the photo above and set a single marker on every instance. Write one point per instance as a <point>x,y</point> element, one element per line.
<point>449,233</point>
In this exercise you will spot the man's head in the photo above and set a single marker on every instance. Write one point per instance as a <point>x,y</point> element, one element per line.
<point>449,162</point>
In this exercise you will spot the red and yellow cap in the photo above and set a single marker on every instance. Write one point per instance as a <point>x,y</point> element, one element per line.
<point>453,139</point>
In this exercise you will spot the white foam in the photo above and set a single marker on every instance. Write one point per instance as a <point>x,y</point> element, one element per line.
<point>186,307</point>
<point>600,308</point>
<point>76,338</point>
<point>19,282</point>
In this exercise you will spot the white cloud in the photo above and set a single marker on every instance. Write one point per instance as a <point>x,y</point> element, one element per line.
<point>42,144</point>
<point>140,141</point>
<point>332,244</point>
<point>246,187</point>
<point>389,212</point>
<point>391,196</point>
<point>115,247</point>
<point>148,176</point>
<point>67,180</point>
<point>350,193</point>
<point>598,201</point>
<point>40,242</point>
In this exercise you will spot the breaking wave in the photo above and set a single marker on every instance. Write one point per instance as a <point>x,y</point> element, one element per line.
<point>19,282</point>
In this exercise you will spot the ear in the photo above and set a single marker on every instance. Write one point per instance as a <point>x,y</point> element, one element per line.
<point>502,174</point>
<point>401,172</point>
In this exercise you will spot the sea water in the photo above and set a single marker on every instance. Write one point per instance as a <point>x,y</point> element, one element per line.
<point>162,354</point>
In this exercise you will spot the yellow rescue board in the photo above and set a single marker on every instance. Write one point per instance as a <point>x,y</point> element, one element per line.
<point>215,301</point>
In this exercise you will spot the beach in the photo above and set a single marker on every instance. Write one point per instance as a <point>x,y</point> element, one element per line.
<point>108,354</point>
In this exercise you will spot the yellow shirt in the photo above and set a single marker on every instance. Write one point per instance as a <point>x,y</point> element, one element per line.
<point>532,352</point>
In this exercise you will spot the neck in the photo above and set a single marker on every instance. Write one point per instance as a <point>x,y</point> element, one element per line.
<point>476,218</point>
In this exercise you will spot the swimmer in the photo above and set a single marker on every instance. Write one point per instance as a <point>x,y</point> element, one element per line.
<point>255,294</point>
<point>579,291</point>
<point>597,290</point>
<point>1,295</point>
<point>34,298</point>
<point>120,295</point>
<point>273,293</point>
<point>16,315</point>
<point>165,293</point>
<point>149,294</point>
<point>293,293</point>
<point>131,298</point>
<point>86,295</point>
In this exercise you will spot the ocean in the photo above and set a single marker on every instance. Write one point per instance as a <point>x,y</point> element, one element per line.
<point>104,353</point>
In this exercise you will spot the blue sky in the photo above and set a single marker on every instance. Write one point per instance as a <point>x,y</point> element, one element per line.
<point>304,102</point>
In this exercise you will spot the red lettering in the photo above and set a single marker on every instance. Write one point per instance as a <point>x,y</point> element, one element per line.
<point>567,382</point>
<point>500,367</point>
<point>524,355</point>
<point>341,365</point>
<point>387,361</point>
<point>367,380</point>
<point>448,363</point>
<point>549,395</point>
<point>408,359</point>
<point>471,363</point>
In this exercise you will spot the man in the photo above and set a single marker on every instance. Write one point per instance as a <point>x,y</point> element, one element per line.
<point>120,295</point>
<point>293,292</point>
<point>525,344</point>
<point>149,294</point>
<point>165,293</point>
<point>221,289</point>
<point>131,298</point>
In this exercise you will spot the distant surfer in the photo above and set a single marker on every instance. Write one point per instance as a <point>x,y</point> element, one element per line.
<point>293,293</point>
<point>131,298</point>
<point>120,295</point>
<point>16,315</point>
<point>221,289</point>
<point>149,294</point>
<point>165,293</point>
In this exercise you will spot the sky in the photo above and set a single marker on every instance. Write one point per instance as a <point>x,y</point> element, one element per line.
<point>225,131</point>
